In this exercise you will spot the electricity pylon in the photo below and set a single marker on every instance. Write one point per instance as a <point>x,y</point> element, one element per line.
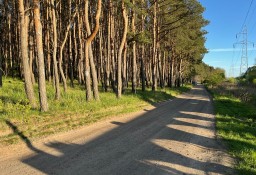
<point>244,42</point>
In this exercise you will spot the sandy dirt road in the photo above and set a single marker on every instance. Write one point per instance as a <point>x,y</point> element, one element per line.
<point>174,137</point>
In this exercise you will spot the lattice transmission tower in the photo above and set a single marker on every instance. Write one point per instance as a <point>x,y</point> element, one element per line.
<point>244,56</point>
<point>244,42</point>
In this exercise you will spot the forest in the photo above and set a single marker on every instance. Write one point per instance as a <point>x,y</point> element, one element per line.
<point>65,64</point>
<point>104,44</point>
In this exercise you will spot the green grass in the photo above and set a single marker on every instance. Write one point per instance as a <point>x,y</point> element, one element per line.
<point>236,124</point>
<point>18,120</point>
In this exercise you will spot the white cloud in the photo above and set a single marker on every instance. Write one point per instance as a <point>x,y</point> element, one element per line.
<point>229,49</point>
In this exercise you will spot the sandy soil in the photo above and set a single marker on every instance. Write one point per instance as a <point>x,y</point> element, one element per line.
<point>173,137</point>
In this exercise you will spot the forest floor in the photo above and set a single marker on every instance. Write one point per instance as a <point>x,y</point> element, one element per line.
<point>173,137</point>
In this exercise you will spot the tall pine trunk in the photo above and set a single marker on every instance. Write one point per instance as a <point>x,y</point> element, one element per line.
<point>88,53</point>
<point>109,50</point>
<point>154,54</point>
<point>143,88</point>
<point>40,55</point>
<point>92,65</point>
<point>24,53</point>
<point>119,61</point>
<point>134,63</point>
<point>54,53</point>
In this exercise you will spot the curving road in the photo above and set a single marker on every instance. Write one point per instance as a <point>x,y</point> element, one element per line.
<point>173,137</point>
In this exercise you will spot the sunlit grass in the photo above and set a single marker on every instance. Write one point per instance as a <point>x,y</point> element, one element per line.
<point>236,124</point>
<point>70,112</point>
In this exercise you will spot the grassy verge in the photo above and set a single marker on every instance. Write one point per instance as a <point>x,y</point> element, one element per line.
<point>236,124</point>
<point>71,112</point>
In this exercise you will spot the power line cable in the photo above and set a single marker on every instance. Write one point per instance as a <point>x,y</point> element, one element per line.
<point>251,16</point>
<point>245,19</point>
<point>253,27</point>
<point>246,15</point>
<point>243,52</point>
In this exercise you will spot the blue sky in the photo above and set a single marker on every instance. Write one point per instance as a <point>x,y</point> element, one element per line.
<point>226,20</point>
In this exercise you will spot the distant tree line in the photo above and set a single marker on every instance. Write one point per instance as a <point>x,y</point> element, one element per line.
<point>145,43</point>
<point>249,77</point>
<point>208,74</point>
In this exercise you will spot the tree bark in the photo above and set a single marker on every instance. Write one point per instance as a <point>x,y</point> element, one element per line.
<point>143,85</point>
<point>109,50</point>
<point>89,63</point>
<point>40,55</point>
<point>180,72</point>
<point>81,54</point>
<point>172,71</point>
<point>1,72</point>
<point>125,69</point>
<point>47,41</point>
<point>24,53</point>
<point>119,64</point>
<point>54,53</point>
<point>134,63</point>
<point>154,60</point>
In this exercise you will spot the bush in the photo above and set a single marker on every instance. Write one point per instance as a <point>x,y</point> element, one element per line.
<point>254,81</point>
<point>243,82</point>
<point>232,80</point>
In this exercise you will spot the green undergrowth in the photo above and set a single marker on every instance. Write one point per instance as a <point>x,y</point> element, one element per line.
<point>19,121</point>
<point>236,125</point>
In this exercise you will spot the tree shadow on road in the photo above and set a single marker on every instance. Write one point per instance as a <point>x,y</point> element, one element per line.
<point>133,147</point>
<point>22,136</point>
